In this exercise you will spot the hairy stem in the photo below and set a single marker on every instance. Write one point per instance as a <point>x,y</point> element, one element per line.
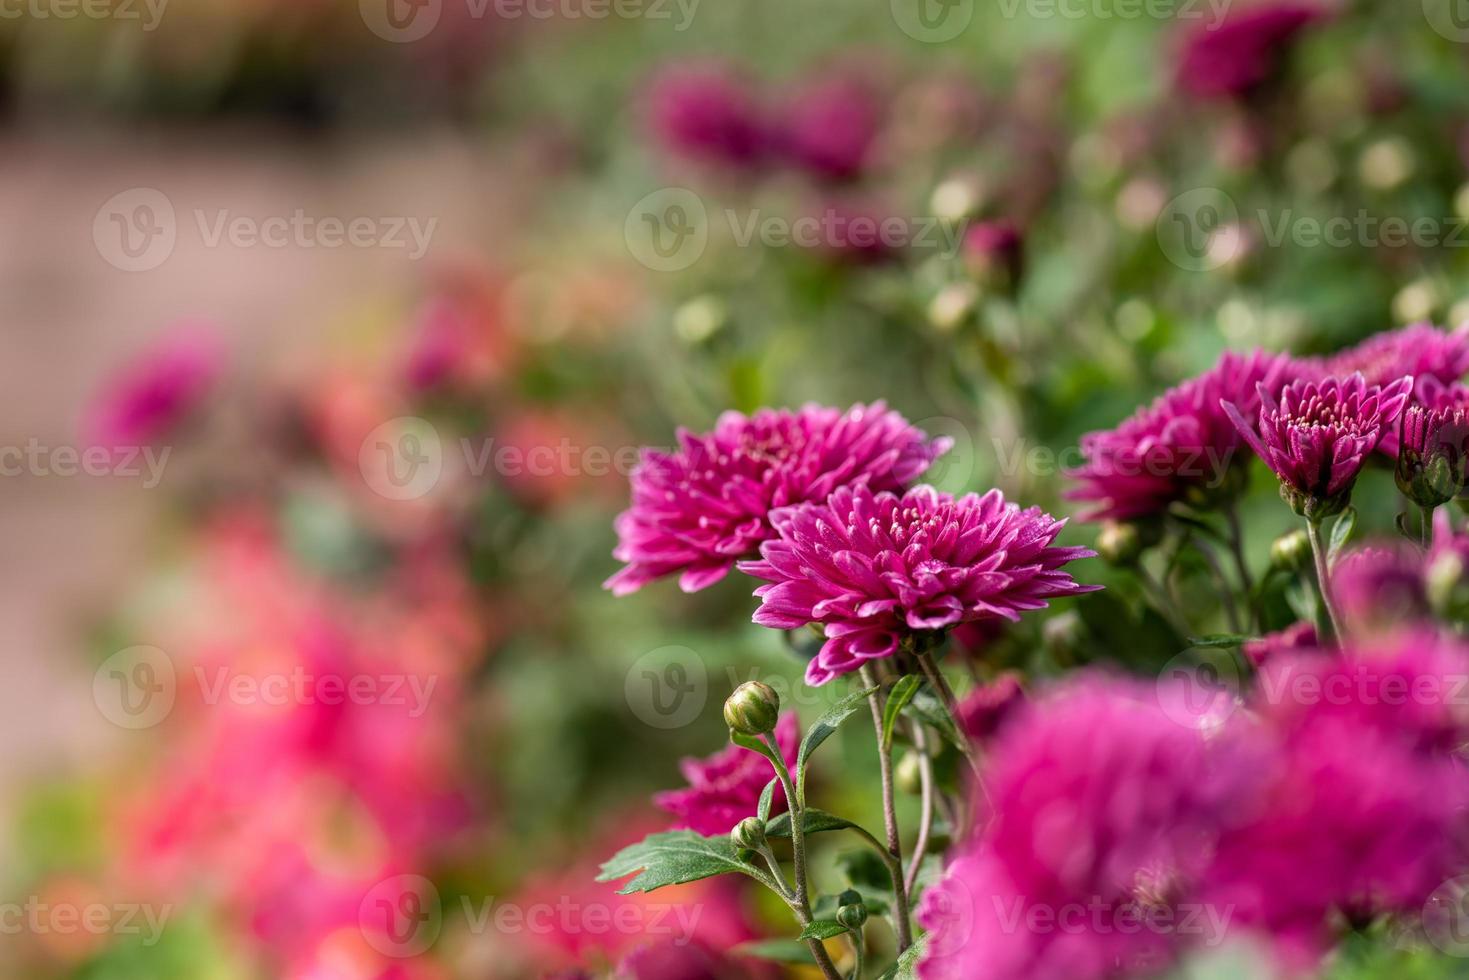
<point>925,824</point>
<point>800,902</point>
<point>1323,575</point>
<point>858,945</point>
<point>889,812</point>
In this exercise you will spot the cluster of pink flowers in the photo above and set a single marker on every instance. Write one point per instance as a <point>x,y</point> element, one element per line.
<point>1141,837</point>
<point>841,542</point>
<point>1316,422</point>
<point>827,128</point>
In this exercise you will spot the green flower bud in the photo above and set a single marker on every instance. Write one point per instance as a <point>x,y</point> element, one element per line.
<point>910,774</point>
<point>852,916</point>
<point>752,709</point>
<point>1291,552</point>
<point>1120,544</point>
<point>749,834</point>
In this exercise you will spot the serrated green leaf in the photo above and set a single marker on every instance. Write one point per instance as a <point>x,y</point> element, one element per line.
<point>907,966</point>
<point>672,857</point>
<point>776,950</point>
<point>823,929</point>
<point>813,822</point>
<point>823,728</point>
<point>767,796</point>
<point>1223,641</point>
<point>898,699</point>
<point>1341,533</point>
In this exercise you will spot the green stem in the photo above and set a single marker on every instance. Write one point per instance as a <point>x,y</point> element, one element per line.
<point>1425,527</point>
<point>855,936</point>
<point>1216,572</point>
<point>1237,550</point>
<point>889,812</point>
<point>925,824</point>
<point>800,903</point>
<point>1323,575</point>
<point>1162,601</point>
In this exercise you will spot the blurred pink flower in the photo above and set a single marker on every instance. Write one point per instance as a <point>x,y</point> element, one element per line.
<point>1380,588</point>
<point>709,114</point>
<point>1360,787</point>
<point>830,126</point>
<point>986,708</point>
<point>725,788</point>
<point>1318,435</point>
<point>873,568</point>
<point>146,399</point>
<point>1233,58</point>
<point>1299,636</point>
<point>1102,808</point>
<point>994,246</point>
<point>696,510</point>
<point>1181,445</point>
<point>1420,351</point>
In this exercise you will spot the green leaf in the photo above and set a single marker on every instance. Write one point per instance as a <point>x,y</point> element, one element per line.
<point>767,796</point>
<point>898,699</point>
<point>1341,533</point>
<point>823,929</point>
<point>1225,641</point>
<point>777,950</point>
<point>672,858</point>
<point>755,744</point>
<point>823,729</point>
<point>907,966</point>
<point>813,822</point>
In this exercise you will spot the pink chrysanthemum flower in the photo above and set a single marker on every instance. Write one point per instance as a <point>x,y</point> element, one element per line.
<point>1317,436</point>
<point>1233,59</point>
<point>696,510</point>
<point>1360,785</point>
<point>871,568</point>
<point>1180,445</point>
<point>831,126</point>
<point>986,708</point>
<point>157,391</point>
<point>1271,646</point>
<point>725,788</point>
<point>1420,350</point>
<point>1432,445</point>
<point>709,114</point>
<point>1102,810</point>
<point>1379,589</point>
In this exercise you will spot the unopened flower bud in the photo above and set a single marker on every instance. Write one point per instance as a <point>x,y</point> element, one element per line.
<point>1119,543</point>
<point>749,834</point>
<point>1434,442</point>
<point>852,916</point>
<point>1447,587</point>
<point>753,709</point>
<point>1291,552</point>
<point>910,773</point>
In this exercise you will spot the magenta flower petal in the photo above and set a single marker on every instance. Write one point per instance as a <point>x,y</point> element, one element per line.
<point>871,568</point>
<point>697,510</point>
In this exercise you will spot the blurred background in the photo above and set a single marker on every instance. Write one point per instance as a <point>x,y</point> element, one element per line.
<point>332,331</point>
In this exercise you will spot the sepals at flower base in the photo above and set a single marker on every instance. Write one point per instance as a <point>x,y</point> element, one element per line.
<point>1431,452</point>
